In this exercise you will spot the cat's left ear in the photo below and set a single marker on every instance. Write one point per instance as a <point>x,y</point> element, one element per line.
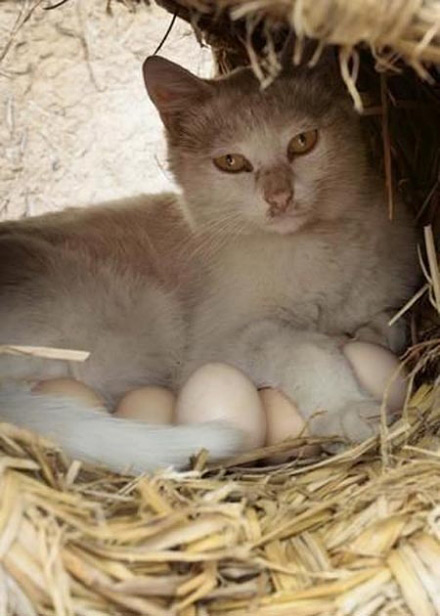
<point>172,88</point>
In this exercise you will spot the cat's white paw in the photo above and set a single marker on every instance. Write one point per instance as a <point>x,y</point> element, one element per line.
<point>379,332</point>
<point>355,422</point>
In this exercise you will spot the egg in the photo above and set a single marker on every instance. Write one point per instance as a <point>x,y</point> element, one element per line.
<point>375,369</point>
<point>154,405</point>
<point>70,388</point>
<point>219,392</point>
<point>284,421</point>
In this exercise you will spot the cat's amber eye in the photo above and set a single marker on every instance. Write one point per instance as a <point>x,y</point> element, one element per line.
<point>233,163</point>
<point>302,143</point>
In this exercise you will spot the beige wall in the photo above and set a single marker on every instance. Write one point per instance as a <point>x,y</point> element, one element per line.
<point>76,127</point>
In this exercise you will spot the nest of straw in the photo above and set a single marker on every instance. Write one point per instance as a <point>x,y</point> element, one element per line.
<point>354,534</point>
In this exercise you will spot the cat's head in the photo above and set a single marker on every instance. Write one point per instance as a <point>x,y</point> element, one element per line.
<point>276,159</point>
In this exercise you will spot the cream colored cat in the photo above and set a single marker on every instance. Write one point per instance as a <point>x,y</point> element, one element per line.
<point>278,250</point>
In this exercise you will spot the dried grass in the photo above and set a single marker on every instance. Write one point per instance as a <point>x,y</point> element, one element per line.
<point>409,29</point>
<point>44,352</point>
<point>344,535</point>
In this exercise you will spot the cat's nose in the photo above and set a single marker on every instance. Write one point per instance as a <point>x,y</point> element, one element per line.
<point>279,201</point>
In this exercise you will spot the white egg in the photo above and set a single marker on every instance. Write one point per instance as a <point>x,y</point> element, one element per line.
<point>219,392</point>
<point>154,405</point>
<point>70,388</point>
<point>284,421</point>
<point>376,371</point>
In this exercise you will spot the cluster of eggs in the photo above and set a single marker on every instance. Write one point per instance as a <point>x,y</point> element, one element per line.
<point>219,392</point>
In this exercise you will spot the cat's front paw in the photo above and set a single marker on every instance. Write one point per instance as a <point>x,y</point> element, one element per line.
<point>355,422</point>
<point>380,332</point>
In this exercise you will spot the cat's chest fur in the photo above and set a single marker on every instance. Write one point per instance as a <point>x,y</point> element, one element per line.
<point>303,280</point>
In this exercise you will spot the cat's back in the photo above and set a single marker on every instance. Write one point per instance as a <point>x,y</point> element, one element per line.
<point>138,235</point>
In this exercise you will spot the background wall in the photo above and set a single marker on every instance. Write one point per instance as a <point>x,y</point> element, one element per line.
<point>76,126</point>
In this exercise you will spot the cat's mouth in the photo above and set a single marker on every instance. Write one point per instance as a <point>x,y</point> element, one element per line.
<point>286,223</point>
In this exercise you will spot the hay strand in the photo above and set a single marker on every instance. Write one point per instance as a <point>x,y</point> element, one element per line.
<point>44,352</point>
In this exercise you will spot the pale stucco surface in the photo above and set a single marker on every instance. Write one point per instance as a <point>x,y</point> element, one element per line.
<point>76,127</point>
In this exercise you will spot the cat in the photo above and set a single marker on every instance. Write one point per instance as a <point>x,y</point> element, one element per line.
<point>277,251</point>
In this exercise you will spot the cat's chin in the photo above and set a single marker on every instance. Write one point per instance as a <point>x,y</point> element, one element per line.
<point>286,225</point>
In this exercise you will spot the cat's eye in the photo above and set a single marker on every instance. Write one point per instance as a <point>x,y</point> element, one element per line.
<point>302,143</point>
<point>233,163</point>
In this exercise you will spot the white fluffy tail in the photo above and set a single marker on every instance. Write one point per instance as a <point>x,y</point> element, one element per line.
<point>122,445</point>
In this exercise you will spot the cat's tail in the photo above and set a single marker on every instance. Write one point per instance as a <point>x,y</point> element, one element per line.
<point>122,445</point>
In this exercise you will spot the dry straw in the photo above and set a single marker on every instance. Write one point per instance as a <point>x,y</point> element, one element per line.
<point>342,535</point>
<point>357,534</point>
<point>409,29</point>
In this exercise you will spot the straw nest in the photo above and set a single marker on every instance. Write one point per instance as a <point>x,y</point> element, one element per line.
<point>354,534</point>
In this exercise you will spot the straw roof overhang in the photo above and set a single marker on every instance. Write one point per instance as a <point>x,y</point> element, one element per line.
<point>409,29</point>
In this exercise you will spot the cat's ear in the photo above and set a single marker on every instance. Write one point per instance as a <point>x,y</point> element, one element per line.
<point>172,88</point>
